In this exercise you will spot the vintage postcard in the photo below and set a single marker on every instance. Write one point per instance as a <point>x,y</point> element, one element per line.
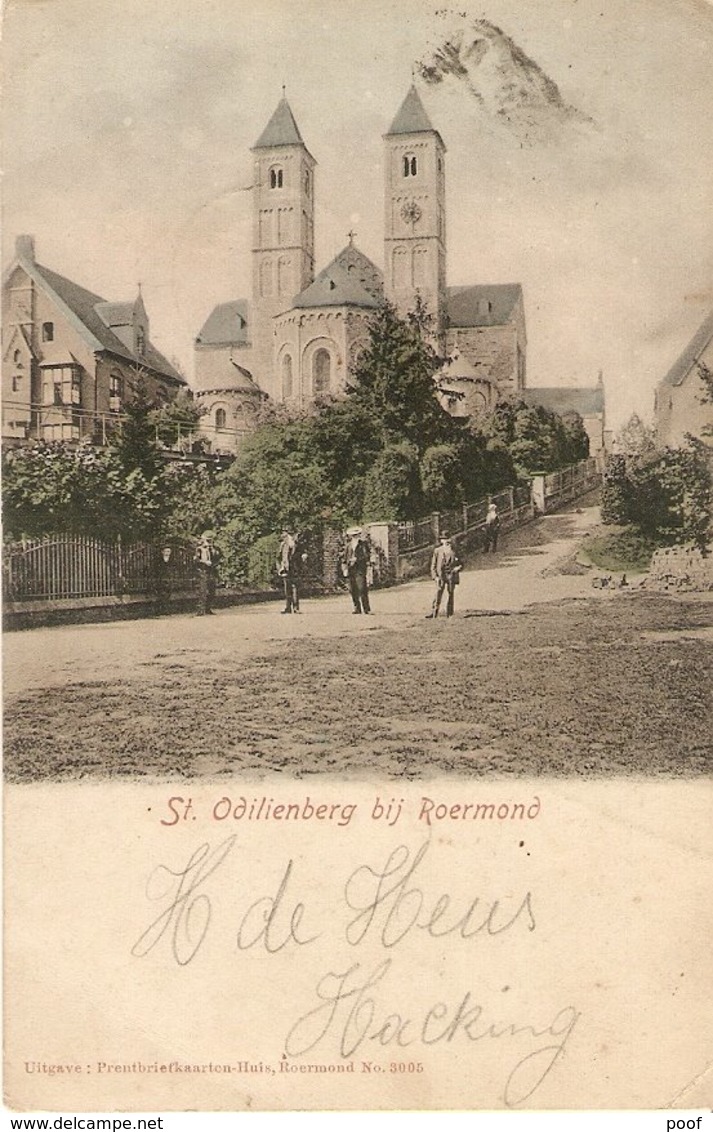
<point>378,309</point>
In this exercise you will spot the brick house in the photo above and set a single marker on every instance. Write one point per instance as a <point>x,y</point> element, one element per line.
<point>71,359</point>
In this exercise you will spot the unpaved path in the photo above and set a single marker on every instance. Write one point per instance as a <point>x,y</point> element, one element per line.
<point>537,674</point>
<point>510,580</point>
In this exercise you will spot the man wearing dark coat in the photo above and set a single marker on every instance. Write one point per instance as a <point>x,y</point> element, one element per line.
<point>206,559</point>
<point>290,560</point>
<point>354,563</point>
<point>445,571</point>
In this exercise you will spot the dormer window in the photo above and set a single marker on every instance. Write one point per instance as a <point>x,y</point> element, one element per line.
<point>410,165</point>
<point>48,332</point>
<point>276,174</point>
<point>485,306</point>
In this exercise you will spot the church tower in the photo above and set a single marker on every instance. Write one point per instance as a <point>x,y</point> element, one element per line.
<point>415,221</point>
<point>283,232</point>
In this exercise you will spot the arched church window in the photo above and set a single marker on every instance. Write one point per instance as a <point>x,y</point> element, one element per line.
<point>17,359</point>
<point>321,371</point>
<point>276,177</point>
<point>283,276</point>
<point>287,388</point>
<point>420,263</point>
<point>401,268</point>
<point>479,401</point>
<point>307,181</point>
<point>410,165</point>
<point>140,341</point>
<point>266,277</point>
<point>221,418</point>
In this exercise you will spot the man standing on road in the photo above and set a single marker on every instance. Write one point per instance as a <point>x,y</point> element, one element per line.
<point>354,563</point>
<point>492,529</point>
<point>290,559</point>
<point>206,560</point>
<point>445,571</point>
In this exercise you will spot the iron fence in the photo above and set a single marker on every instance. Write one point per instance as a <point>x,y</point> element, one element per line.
<point>72,566</point>
<point>414,534</point>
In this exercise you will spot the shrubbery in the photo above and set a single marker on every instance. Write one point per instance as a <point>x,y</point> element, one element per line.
<point>666,496</point>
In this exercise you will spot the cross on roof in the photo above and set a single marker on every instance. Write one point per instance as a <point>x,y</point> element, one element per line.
<point>351,236</point>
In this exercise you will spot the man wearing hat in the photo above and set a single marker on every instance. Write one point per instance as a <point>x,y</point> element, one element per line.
<point>445,571</point>
<point>290,560</point>
<point>354,563</point>
<point>206,559</point>
<point>492,529</point>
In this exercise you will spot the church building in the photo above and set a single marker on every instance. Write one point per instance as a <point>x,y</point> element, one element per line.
<point>300,333</point>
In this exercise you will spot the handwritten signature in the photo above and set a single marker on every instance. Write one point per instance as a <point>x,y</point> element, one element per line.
<point>387,902</point>
<point>349,1011</point>
<point>384,904</point>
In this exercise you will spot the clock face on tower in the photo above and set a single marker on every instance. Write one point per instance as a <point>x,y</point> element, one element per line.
<point>411,212</point>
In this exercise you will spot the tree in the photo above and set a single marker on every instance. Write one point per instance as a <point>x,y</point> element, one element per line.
<point>53,488</point>
<point>667,497</point>
<point>345,440</point>
<point>275,480</point>
<point>442,475</point>
<point>393,490</point>
<point>394,380</point>
<point>177,421</point>
<point>538,440</point>
<point>635,438</point>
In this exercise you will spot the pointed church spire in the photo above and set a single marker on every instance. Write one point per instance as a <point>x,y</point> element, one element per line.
<point>411,118</point>
<point>281,129</point>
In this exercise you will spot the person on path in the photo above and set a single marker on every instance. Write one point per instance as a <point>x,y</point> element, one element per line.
<point>355,560</point>
<point>290,560</point>
<point>445,571</point>
<point>492,529</point>
<point>206,560</point>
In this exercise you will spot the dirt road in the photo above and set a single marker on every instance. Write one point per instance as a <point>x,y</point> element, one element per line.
<point>537,673</point>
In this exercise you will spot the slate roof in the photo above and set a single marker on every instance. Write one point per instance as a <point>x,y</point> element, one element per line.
<point>227,376</point>
<point>687,359</point>
<point>350,280</point>
<point>116,314</point>
<point>467,306</point>
<point>588,401</point>
<point>411,117</point>
<point>281,130</point>
<point>226,325</point>
<point>82,309</point>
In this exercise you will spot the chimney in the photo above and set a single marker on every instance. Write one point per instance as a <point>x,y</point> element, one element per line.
<point>25,248</point>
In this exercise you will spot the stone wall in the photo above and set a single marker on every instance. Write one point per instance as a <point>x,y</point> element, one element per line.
<point>680,568</point>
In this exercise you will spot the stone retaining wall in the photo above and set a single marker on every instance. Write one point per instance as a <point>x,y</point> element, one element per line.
<point>680,568</point>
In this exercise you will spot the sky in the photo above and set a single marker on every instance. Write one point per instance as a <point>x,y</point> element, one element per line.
<point>126,152</point>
